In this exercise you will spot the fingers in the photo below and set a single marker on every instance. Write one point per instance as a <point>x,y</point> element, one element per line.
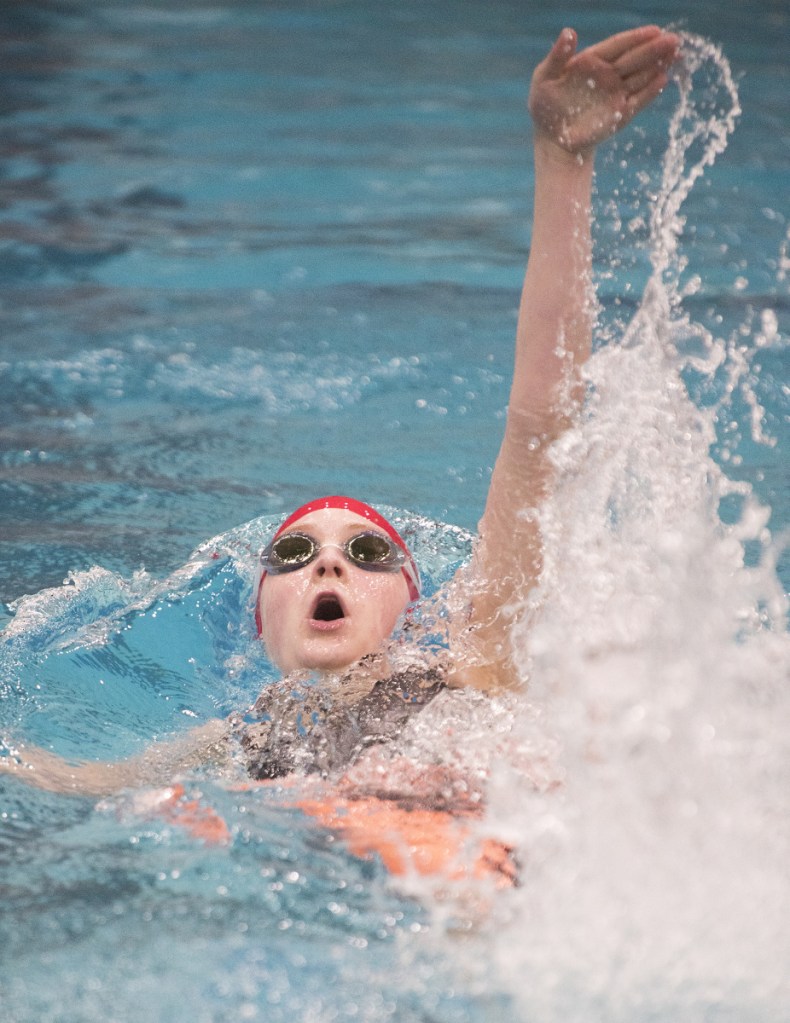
<point>560,53</point>
<point>656,53</point>
<point>638,51</point>
<point>641,58</point>
<point>613,48</point>
<point>643,70</point>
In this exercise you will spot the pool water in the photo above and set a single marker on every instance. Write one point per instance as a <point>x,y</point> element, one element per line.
<point>255,252</point>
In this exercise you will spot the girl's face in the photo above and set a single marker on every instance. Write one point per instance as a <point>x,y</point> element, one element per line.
<point>331,612</point>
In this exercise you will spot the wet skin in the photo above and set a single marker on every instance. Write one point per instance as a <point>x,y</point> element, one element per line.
<point>330,613</point>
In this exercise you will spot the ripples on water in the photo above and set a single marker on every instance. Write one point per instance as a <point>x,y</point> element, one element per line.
<point>139,420</point>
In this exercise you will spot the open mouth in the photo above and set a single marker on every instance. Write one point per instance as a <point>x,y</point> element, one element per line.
<point>328,609</point>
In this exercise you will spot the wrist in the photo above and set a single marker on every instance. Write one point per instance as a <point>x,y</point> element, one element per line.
<point>551,153</point>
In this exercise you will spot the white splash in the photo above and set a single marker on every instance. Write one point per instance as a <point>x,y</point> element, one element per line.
<point>655,883</point>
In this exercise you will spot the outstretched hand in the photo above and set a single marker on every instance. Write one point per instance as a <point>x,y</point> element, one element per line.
<point>579,99</point>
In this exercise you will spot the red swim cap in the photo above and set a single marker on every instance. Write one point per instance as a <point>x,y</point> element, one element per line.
<point>358,508</point>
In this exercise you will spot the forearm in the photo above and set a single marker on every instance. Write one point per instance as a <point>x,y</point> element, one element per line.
<point>553,336</point>
<point>557,303</point>
<point>552,342</point>
<point>154,766</point>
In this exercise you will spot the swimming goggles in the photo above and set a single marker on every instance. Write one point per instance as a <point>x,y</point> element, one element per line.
<point>372,551</point>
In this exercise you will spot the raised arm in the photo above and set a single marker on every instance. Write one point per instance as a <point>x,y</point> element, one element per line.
<point>576,101</point>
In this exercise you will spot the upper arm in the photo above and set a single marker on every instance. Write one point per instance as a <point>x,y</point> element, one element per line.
<point>507,559</point>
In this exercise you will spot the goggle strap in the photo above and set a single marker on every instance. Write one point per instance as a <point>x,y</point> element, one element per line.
<point>258,588</point>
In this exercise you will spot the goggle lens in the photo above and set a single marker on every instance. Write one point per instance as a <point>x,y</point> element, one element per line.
<point>293,549</point>
<point>371,551</point>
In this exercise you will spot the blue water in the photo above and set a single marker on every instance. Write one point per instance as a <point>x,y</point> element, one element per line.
<point>254,252</point>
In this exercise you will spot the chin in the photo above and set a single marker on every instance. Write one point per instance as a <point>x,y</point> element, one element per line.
<point>331,660</point>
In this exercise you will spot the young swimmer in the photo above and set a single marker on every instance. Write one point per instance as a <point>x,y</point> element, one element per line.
<point>334,583</point>
<point>337,577</point>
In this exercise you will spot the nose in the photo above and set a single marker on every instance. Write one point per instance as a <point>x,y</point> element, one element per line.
<point>330,562</point>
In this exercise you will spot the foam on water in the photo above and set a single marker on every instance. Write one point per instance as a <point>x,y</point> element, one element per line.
<point>655,881</point>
